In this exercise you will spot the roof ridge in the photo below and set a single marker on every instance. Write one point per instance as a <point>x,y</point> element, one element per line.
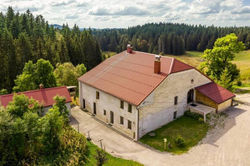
<point>171,66</point>
<point>152,54</point>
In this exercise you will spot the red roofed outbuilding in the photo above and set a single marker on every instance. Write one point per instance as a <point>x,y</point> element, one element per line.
<point>137,92</point>
<point>43,95</point>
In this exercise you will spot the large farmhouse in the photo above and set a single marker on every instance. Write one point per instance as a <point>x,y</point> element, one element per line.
<point>137,92</point>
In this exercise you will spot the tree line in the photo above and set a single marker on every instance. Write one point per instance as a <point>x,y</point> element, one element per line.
<point>167,38</point>
<point>25,37</point>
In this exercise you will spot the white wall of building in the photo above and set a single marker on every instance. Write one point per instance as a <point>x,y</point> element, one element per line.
<point>46,109</point>
<point>109,103</point>
<point>158,108</point>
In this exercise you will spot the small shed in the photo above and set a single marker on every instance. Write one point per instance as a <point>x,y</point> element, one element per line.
<point>215,96</point>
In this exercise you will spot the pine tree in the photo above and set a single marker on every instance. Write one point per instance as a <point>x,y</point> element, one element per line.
<point>23,50</point>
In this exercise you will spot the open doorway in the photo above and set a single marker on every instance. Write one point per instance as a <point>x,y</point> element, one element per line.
<point>190,96</point>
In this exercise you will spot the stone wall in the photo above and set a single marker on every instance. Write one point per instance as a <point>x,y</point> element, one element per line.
<point>109,103</point>
<point>158,108</point>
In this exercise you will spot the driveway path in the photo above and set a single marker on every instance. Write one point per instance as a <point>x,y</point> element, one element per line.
<point>226,146</point>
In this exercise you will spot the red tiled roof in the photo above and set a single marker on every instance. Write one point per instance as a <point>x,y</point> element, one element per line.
<point>215,92</point>
<point>131,77</point>
<point>43,96</point>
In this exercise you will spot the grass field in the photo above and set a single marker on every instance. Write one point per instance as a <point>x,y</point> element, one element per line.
<point>112,161</point>
<point>191,130</point>
<point>242,60</point>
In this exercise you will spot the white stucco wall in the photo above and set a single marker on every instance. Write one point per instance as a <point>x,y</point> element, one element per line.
<point>109,103</point>
<point>158,108</point>
<point>46,109</point>
<point>223,106</point>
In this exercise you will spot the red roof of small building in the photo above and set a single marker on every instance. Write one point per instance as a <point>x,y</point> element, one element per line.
<point>215,92</point>
<point>43,96</point>
<point>131,77</point>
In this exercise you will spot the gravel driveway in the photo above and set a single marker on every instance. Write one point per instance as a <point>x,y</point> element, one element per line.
<point>225,146</point>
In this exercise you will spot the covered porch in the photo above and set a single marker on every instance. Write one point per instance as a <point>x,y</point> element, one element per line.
<point>201,109</point>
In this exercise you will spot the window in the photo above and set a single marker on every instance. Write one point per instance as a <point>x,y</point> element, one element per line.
<point>121,120</point>
<point>192,80</point>
<point>175,114</point>
<point>122,104</point>
<point>130,108</point>
<point>104,112</point>
<point>97,95</point>
<point>129,124</point>
<point>175,100</point>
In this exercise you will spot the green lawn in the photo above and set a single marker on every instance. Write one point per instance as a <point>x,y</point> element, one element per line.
<point>191,130</point>
<point>192,58</point>
<point>242,60</point>
<point>112,161</point>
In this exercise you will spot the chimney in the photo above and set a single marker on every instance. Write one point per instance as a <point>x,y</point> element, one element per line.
<point>129,49</point>
<point>41,86</point>
<point>157,64</point>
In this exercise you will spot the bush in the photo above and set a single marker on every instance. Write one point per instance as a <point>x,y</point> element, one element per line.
<point>179,141</point>
<point>192,115</point>
<point>239,83</point>
<point>3,91</point>
<point>201,119</point>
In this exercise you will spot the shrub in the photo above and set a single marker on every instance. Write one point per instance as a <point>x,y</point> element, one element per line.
<point>201,119</point>
<point>239,83</point>
<point>179,141</point>
<point>192,115</point>
<point>3,91</point>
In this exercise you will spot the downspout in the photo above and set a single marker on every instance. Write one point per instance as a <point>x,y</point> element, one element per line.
<point>137,138</point>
